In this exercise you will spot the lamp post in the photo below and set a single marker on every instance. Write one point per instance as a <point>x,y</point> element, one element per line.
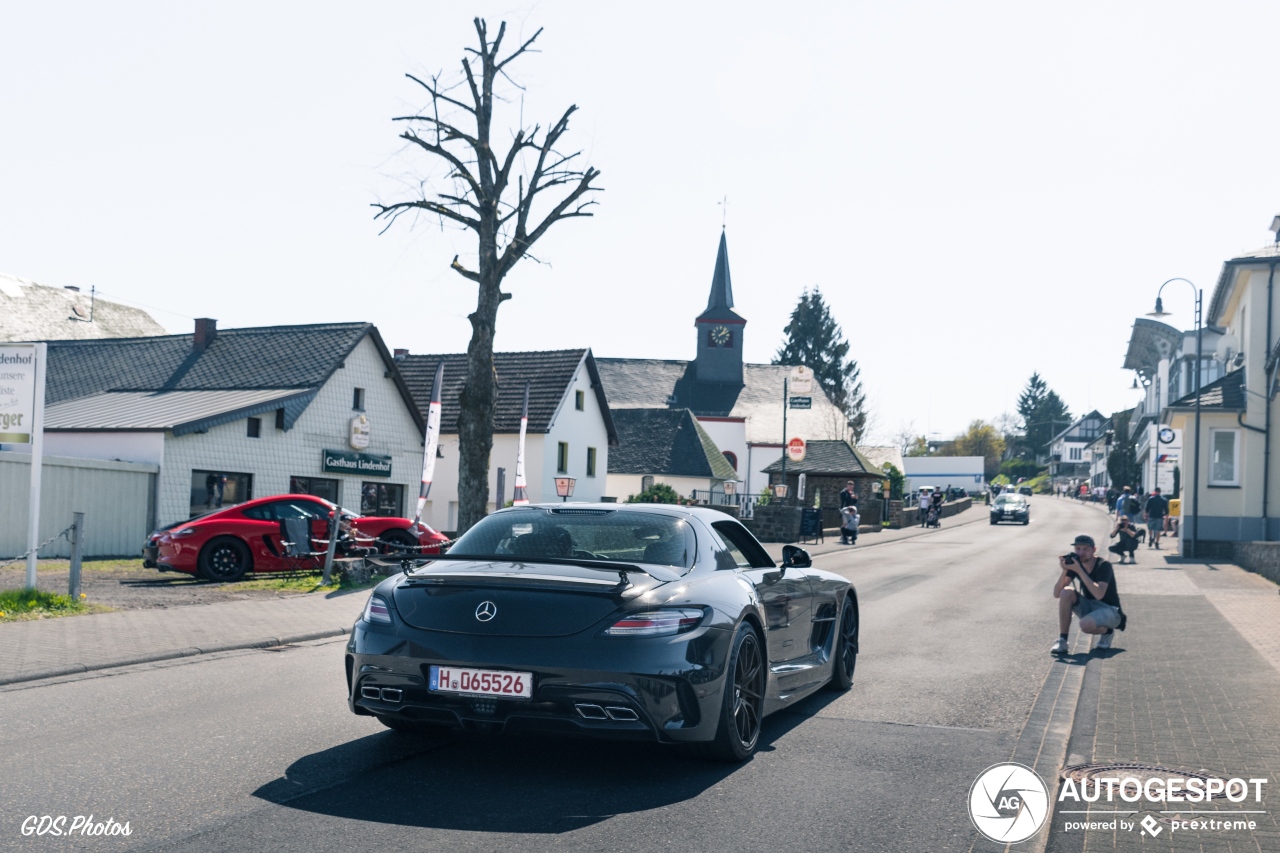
<point>564,488</point>
<point>1195,471</point>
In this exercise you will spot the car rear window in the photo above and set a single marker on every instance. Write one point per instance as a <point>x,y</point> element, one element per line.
<point>623,535</point>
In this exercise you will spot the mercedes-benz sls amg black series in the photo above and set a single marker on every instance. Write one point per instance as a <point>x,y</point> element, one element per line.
<point>644,621</point>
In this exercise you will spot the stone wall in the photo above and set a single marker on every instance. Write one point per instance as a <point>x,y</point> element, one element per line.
<point>911,515</point>
<point>775,523</point>
<point>1262,558</point>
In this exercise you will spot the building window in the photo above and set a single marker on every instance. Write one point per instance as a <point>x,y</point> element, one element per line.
<point>357,400</point>
<point>562,458</point>
<point>591,460</point>
<point>1076,454</point>
<point>320,487</point>
<point>255,427</point>
<point>732,458</point>
<point>1224,457</point>
<point>214,489</point>
<point>646,482</point>
<point>383,499</point>
<point>579,400</point>
<point>279,418</point>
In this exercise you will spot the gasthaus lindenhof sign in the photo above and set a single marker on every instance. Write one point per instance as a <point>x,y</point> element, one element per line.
<point>17,394</point>
<point>348,462</point>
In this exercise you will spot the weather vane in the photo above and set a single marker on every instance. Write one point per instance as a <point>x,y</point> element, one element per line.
<point>724,212</point>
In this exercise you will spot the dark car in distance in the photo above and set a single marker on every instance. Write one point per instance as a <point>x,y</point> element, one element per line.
<point>642,621</point>
<point>1008,507</point>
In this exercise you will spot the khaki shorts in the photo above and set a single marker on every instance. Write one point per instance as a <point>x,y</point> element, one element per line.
<point>1103,615</point>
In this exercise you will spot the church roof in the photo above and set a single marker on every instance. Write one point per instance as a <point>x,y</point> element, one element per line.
<point>645,383</point>
<point>720,301</point>
<point>666,442</point>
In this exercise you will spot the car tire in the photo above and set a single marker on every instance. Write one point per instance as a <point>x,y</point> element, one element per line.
<point>409,727</point>
<point>1025,523</point>
<point>397,542</point>
<point>225,559</point>
<point>742,708</point>
<point>993,521</point>
<point>844,651</point>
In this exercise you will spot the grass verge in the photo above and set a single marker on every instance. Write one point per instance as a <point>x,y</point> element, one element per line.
<point>20,605</point>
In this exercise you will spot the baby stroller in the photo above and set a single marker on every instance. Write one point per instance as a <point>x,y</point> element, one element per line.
<point>934,519</point>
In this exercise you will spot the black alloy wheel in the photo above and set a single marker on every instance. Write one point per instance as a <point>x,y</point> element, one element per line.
<point>225,559</point>
<point>742,711</point>
<point>397,542</point>
<point>844,657</point>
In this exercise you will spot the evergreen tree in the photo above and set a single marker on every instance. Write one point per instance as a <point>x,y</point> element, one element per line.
<point>1043,414</point>
<point>815,340</point>
<point>1122,462</point>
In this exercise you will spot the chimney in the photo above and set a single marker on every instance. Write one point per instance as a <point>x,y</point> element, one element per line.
<point>206,331</point>
<point>399,352</point>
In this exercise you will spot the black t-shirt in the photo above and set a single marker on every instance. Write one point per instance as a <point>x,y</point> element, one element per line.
<point>1156,507</point>
<point>848,498</point>
<point>1102,573</point>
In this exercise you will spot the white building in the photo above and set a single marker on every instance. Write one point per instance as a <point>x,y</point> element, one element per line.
<point>961,472</point>
<point>234,414</point>
<point>570,428</point>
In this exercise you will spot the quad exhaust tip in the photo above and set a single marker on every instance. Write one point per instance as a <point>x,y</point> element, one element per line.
<point>385,694</point>
<point>591,712</point>
<point>623,714</point>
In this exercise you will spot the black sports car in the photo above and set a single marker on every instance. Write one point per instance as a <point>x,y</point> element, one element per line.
<point>624,621</point>
<point>1011,508</point>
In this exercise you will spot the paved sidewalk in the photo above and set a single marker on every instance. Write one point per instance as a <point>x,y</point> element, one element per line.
<point>52,647</point>
<point>1192,685</point>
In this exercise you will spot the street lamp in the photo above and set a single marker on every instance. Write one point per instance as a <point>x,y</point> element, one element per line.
<point>1195,472</point>
<point>564,488</point>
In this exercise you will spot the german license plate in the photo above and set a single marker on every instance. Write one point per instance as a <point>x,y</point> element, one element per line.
<point>481,682</point>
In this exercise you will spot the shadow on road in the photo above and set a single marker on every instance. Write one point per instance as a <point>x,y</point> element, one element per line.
<point>505,784</point>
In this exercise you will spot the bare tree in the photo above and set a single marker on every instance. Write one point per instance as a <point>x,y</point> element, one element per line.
<point>905,435</point>
<point>494,195</point>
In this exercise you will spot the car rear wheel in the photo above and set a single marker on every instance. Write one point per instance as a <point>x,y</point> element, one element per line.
<point>398,542</point>
<point>225,559</point>
<point>742,710</point>
<point>844,657</point>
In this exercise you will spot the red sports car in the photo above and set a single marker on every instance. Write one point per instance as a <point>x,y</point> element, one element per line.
<point>227,544</point>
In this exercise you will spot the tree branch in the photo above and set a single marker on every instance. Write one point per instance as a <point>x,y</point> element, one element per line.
<point>463,271</point>
<point>524,47</point>
<point>459,167</point>
<point>393,211</point>
<point>437,94</point>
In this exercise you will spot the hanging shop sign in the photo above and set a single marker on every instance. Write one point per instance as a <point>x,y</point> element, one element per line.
<point>358,437</point>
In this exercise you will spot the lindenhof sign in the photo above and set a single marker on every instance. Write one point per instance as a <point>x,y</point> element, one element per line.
<point>347,462</point>
<point>17,394</point>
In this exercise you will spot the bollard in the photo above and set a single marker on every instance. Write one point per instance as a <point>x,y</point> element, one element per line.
<point>77,547</point>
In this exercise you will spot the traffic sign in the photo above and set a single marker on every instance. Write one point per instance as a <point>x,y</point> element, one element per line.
<point>795,449</point>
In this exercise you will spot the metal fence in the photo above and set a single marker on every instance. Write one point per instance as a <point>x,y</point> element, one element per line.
<point>746,504</point>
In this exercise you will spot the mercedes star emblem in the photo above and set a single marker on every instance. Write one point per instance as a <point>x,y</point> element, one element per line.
<point>486,611</point>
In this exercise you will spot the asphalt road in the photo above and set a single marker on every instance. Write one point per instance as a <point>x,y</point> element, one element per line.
<point>256,750</point>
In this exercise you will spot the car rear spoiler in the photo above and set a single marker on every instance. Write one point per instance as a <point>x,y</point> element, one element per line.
<point>660,573</point>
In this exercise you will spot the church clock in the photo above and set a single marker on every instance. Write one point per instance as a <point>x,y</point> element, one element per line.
<point>721,336</point>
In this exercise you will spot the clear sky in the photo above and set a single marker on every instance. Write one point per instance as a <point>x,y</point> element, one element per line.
<point>981,190</point>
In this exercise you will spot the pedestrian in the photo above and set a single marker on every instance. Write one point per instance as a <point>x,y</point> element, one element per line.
<point>1087,588</point>
<point>1154,512</point>
<point>849,520</point>
<point>848,498</point>
<point>222,487</point>
<point>210,484</point>
<point>924,504</point>
<point>1128,544</point>
<point>935,506</point>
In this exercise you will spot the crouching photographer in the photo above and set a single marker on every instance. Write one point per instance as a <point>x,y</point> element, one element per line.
<point>1087,588</point>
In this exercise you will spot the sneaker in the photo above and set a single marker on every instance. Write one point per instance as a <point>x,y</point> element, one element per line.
<point>1104,642</point>
<point>1059,647</point>
<point>1157,546</point>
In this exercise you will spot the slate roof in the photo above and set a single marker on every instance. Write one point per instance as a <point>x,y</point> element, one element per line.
<point>548,373</point>
<point>37,312</point>
<point>641,383</point>
<point>829,458</point>
<point>720,300</point>
<point>268,358</point>
<point>1077,431</point>
<point>1226,393</point>
<point>666,441</point>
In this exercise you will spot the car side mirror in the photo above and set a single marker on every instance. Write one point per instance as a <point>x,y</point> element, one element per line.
<point>793,556</point>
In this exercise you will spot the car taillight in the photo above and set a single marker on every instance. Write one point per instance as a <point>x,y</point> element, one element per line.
<point>656,623</point>
<point>186,531</point>
<point>377,610</point>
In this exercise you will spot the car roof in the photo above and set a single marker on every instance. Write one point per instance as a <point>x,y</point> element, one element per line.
<point>706,514</point>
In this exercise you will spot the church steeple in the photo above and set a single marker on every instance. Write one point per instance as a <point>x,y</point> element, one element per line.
<point>721,285</point>
<point>719,351</point>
